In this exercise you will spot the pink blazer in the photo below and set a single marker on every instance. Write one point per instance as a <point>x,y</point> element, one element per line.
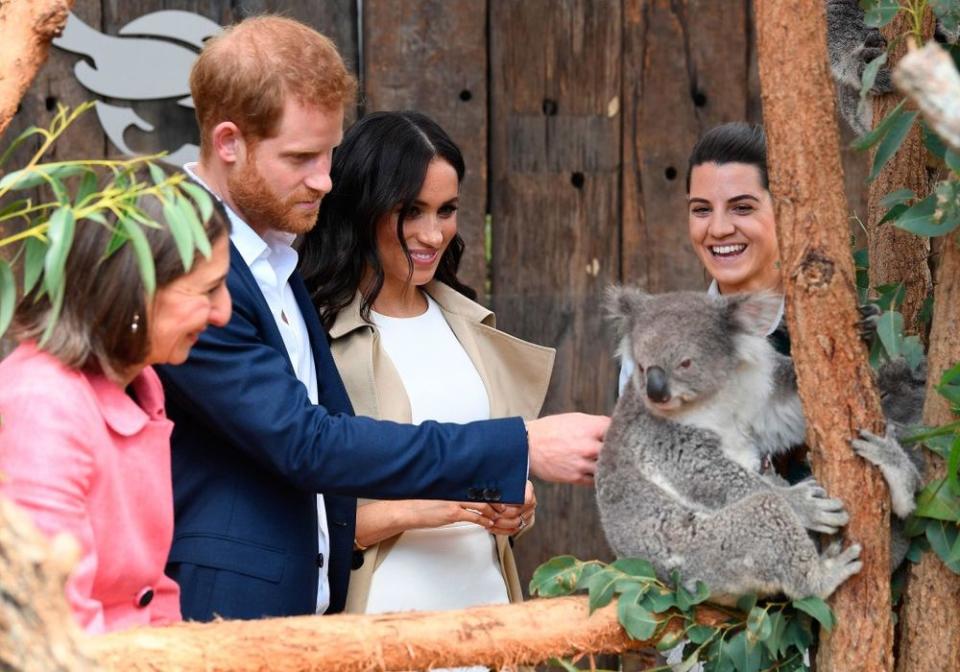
<point>83,458</point>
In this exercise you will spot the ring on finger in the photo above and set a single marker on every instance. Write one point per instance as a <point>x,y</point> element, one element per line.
<point>523,523</point>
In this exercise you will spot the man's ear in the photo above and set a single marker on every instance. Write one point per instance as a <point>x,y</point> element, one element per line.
<point>624,306</point>
<point>228,143</point>
<point>755,313</point>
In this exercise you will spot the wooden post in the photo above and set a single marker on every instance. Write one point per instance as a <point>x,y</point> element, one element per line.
<point>834,377</point>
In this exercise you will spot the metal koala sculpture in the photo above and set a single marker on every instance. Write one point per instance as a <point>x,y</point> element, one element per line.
<point>150,59</point>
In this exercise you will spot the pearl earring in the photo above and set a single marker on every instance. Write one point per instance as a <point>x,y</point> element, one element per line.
<point>135,325</point>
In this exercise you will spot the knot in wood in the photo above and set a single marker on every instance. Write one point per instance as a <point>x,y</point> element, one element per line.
<point>815,272</point>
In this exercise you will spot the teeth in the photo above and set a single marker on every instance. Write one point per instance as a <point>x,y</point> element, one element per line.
<point>728,249</point>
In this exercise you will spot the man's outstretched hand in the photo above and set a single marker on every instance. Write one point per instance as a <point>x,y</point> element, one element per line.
<point>564,448</point>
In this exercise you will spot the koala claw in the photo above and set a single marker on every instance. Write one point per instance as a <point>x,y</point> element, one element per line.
<point>814,508</point>
<point>839,567</point>
<point>902,476</point>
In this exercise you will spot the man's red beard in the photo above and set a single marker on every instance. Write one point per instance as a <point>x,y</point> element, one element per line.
<point>261,207</point>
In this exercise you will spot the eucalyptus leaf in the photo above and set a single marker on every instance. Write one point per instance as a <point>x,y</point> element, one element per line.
<point>897,197</point>
<point>17,141</point>
<point>933,142</point>
<point>913,351</point>
<point>759,623</point>
<point>28,178</point>
<point>869,76</point>
<point>601,587</point>
<point>639,623</point>
<point>156,173</point>
<point>890,333</point>
<point>635,567</point>
<point>952,159</point>
<point>659,601</point>
<point>777,625</point>
<point>891,141</point>
<point>558,576</point>
<point>8,295</point>
<point>880,13</point>
<point>952,466</point>
<point>881,129</point>
<point>588,570</point>
<point>189,215</point>
<point>56,305</point>
<point>34,252</point>
<point>60,234</point>
<point>818,609</point>
<point>201,197</point>
<point>945,542</point>
<point>698,634</point>
<point>88,187</point>
<point>746,656</point>
<point>747,602</point>
<point>13,208</point>
<point>180,230</point>
<point>918,218</point>
<point>144,254</point>
<point>669,640</point>
<point>563,664</point>
<point>935,501</point>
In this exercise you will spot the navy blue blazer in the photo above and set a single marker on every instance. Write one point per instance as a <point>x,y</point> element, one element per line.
<point>250,452</point>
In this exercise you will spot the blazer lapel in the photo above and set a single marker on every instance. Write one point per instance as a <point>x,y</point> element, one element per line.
<point>333,394</point>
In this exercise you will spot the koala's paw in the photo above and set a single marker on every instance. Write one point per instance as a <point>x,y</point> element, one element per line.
<point>814,508</point>
<point>902,476</point>
<point>836,566</point>
<point>869,317</point>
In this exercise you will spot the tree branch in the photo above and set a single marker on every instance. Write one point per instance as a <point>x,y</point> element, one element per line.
<point>930,79</point>
<point>26,30</point>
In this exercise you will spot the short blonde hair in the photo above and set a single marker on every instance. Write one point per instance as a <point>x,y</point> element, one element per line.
<point>246,74</point>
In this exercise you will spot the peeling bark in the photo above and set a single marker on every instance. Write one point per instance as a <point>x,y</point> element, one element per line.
<point>26,29</point>
<point>834,377</point>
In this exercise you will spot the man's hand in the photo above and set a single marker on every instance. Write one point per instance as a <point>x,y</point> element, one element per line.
<point>564,448</point>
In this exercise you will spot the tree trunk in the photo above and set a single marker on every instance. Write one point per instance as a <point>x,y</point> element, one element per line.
<point>498,636</point>
<point>930,618</point>
<point>26,29</point>
<point>834,377</point>
<point>898,256</point>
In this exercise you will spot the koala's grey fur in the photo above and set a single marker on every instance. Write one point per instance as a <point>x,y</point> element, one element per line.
<point>678,482</point>
<point>851,46</point>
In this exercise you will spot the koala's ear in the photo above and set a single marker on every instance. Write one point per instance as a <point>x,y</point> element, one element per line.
<point>755,313</point>
<point>623,306</point>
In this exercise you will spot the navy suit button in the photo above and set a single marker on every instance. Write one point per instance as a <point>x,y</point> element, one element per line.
<point>356,562</point>
<point>491,495</point>
<point>144,597</point>
<point>319,559</point>
<point>473,494</point>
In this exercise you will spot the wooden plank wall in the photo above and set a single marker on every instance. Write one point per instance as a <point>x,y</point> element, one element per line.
<point>575,117</point>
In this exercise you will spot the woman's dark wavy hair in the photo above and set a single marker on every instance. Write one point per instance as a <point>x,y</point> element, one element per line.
<point>736,142</point>
<point>380,165</point>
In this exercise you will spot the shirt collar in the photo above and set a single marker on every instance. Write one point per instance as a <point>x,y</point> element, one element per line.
<point>248,242</point>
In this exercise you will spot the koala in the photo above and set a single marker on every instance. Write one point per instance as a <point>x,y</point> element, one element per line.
<point>678,481</point>
<point>851,45</point>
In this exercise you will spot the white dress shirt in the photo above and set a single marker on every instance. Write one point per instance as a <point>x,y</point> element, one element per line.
<point>272,260</point>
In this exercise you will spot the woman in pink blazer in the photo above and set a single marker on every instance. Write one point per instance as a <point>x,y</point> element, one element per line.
<point>84,441</point>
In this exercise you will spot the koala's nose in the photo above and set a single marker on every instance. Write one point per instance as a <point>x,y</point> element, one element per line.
<point>657,388</point>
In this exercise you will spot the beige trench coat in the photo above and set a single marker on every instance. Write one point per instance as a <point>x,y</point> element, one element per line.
<point>515,373</point>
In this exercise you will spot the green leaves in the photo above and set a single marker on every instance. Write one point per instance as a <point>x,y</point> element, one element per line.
<point>639,623</point>
<point>937,502</point>
<point>558,576</point>
<point>8,295</point>
<point>818,609</point>
<point>878,13</point>
<point>28,178</point>
<point>891,140</point>
<point>945,542</point>
<point>60,233</point>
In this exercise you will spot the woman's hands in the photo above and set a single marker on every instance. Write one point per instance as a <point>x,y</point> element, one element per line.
<point>512,519</point>
<point>381,520</point>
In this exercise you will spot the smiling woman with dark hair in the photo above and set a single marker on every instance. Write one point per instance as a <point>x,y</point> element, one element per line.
<point>412,345</point>
<point>85,442</point>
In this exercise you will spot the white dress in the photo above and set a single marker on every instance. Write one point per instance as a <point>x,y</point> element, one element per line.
<point>453,566</point>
